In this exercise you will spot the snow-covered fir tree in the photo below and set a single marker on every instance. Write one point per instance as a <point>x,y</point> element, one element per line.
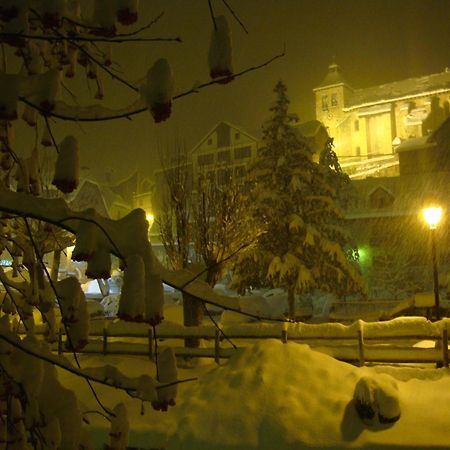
<point>300,246</point>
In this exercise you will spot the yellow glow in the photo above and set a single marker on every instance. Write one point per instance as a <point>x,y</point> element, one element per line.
<point>150,218</point>
<point>432,216</point>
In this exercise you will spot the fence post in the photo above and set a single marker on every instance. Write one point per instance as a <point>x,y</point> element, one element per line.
<point>150,343</point>
<point>445,346</point>
<point>105,341</point>
<point>284,336</point>
<point>361,347</point>
<point>60,343</point>
<point>217,346</point>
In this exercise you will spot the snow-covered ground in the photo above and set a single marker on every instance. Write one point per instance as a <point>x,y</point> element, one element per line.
<point>277,396</point>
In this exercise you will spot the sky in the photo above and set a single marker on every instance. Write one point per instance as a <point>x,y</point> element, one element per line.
<point>374,41</point>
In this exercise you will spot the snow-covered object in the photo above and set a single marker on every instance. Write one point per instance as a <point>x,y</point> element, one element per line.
<point>105,17</point>
<point>72,60</point>
<point>29,115</point>
<point>127,11</point>
<point>220,51</point>
<point>67,168</point>
<point>46,139</point>
<point>22,176</point>
<point>71,296</point>
<point>16,14</point>
<point>154,300</point>
<point>167,373</point>
<point>158,90</point>
<point>120,427</point>
<point>33,58</point>
<point>132,297</point>
<point>47,89</point>
<point>79,329</point>
<point>99,265</point>
<point>87,241</point>
<point>51,432</point>
<point>33,170</point>
<point>52,12</point>
<point>9,95</point>
<point>377,396</point>
<point>146,389</point>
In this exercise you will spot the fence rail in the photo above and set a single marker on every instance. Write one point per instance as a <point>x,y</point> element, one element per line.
<point>354,348</point>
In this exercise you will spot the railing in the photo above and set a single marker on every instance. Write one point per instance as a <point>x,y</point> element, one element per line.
<point>359,343</point>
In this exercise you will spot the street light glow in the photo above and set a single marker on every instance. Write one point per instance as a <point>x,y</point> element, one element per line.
<point>432,216</point>
<point>150,218</point>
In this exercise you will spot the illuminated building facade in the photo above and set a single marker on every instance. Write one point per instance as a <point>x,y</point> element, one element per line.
<point>371,122</point>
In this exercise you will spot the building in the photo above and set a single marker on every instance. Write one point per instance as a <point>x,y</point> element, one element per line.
<point>227,150</point>
<point>371,122</point>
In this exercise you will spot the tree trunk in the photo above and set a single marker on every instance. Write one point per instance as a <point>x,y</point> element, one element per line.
<point>291,304</point>
<point>193,312</point>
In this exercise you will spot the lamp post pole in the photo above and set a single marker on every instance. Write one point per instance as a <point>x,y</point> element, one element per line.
<point>435,274</point>
<point>432,216</point>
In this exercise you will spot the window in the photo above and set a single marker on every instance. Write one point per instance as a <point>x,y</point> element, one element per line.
<point>206,159</point>
<point>324,102</point>
<point>242,152</point>
<point>224,156</point>
<point>380,198</point>
<point>358,151</point>
<point>356,125</point>
<point>334,101</point>
<point>237,136</point>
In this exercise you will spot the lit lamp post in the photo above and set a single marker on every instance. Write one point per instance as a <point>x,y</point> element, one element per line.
<point>432,216</point>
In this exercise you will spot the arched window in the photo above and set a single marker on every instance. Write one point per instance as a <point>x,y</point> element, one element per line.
<point>380,198</point>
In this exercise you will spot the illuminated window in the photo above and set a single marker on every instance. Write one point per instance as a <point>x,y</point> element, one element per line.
<point>334,101</point>
<point>324,102</point>
<point>207,159</point>
<point>356,125</point>
<point>242,152</point>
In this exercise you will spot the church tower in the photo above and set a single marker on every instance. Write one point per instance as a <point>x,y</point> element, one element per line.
<point>332,95</point>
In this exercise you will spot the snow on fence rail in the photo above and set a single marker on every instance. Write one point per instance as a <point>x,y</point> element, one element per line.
<point>390,341</point>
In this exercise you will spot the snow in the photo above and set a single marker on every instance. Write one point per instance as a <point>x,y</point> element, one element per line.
<point>281,396</point>
<point>67,168</point>
<point>220,49</point>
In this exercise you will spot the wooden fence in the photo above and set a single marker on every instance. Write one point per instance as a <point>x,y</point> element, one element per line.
<point>353,348</point>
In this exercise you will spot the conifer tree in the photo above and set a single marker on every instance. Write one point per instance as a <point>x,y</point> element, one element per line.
<point>301,246</point>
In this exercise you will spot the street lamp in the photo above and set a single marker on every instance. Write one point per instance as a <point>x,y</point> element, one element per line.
<point>432,216</point>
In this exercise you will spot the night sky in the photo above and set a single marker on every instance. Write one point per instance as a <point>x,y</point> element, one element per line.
<point>374,41</point>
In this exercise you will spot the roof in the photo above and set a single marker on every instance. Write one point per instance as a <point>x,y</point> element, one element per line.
<point>311,128</point>
<point>334,77</point>
<point>228,124</point>
<point>399,89</point>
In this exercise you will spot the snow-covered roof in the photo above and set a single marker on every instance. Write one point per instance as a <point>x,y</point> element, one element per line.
<point>310,128</point>
<point>418,86</point>
<point>334,77</point>
<point>229,125</point>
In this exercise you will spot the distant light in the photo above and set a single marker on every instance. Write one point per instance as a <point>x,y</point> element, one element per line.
<point>432,216</point>
<point>150,218</point>
<point>5,262</point>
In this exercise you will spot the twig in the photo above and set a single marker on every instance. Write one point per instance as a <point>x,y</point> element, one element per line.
<point>217,326</point>
<point>58,299</point>
<point>79,372</point>
<point>72,39</point>
<point>47,124</point>
<point>234,15</point>
<point>211,12</point>
<point>140,110</point>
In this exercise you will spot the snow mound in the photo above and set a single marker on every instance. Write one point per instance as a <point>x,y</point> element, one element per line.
<point>268,396</point>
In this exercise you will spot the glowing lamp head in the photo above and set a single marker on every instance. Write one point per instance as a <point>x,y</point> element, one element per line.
<point>150,218</point>
<point>432,216</point>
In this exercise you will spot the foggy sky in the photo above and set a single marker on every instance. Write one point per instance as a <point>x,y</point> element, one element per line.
<point>374,41</point>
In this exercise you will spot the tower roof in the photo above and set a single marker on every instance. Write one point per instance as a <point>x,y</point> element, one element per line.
<point>333,77</point>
